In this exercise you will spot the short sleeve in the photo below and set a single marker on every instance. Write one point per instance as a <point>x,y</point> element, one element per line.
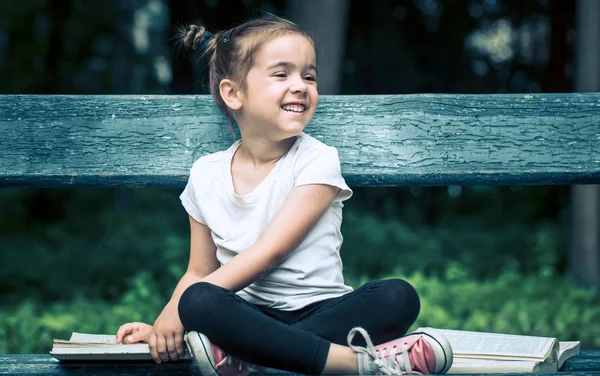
<point>189,199</point>
<point>322,166</point>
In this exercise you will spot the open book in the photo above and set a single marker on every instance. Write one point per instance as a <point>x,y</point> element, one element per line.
<point>83,346</point>
<point>480,352</point>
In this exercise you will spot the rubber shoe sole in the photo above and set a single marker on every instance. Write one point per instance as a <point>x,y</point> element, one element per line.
<point>199,347</point>
<point>441,348</point>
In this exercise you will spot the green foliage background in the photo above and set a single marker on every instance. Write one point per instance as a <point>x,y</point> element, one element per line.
<point>90,267</point>
<point>489,258</point>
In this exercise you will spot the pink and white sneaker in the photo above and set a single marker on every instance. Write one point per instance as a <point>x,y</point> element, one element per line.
<point>423,352</point>
<point>212,360</point>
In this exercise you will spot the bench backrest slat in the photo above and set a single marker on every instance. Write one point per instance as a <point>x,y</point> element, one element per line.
<point>383,140</point>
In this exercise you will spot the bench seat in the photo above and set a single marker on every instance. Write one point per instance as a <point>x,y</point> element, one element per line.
<point>43,364</point>
<point>588,363</point>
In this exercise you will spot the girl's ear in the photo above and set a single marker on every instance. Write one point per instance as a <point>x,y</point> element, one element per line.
<point>230,93</point>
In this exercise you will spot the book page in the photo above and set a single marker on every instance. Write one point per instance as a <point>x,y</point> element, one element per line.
<point>102,357</point>
<point>119,349</point>
<point>567,350</point>
<point>83,346</point>
<point>567,345</point>
<point>93,338</point>
<point>109,353</point>
<point>494,345</point>
<point>83,343</point>
<point>470,366</point>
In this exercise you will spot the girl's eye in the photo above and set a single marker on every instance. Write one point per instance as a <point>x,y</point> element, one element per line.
<point>310,78</point>
<point>283,75</point>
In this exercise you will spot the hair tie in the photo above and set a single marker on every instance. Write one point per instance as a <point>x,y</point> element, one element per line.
<point>204,40</point>
<point>227,36</point>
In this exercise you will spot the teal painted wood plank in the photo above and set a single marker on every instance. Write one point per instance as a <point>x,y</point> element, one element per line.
<point>383,140</point>
<point>43,364</point>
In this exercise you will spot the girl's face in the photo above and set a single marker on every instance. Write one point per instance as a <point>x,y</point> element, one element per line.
<point>281,89</point>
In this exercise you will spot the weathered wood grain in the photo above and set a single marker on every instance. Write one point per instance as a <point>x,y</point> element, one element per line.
<point>49,141</point>
<point>38,364</point>
<point>588,363</point>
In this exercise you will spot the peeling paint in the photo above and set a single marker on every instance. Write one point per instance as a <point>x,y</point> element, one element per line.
<point>382,140</point>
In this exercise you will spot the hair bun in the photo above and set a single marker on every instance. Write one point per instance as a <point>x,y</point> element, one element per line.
<point>193,36</point>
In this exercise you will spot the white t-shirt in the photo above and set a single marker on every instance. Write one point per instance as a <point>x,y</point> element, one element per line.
<point>310,273</point>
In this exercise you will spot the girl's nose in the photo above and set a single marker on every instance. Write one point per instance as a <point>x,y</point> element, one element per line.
<point>298,85</point>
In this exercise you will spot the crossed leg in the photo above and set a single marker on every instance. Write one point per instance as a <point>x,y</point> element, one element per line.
<point>309,341</point>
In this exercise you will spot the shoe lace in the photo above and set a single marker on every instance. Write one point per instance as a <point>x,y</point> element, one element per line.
<point>387,364</point>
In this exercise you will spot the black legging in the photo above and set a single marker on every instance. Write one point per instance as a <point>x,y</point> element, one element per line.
<point>297,341</point>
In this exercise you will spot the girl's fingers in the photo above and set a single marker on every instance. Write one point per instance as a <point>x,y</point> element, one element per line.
<point>144,334</point>
<point>123,331</point>
<point>140,334</point>
<point>152,346</point>
<point>161,348</point>
<point>171,348</point>
<point>132,327</point>
<point>180,345</point>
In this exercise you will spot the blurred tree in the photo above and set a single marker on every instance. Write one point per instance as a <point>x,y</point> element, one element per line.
<point>83,47</point>
<point>557,78</point>
<point>60,11</point>
<point>327,22</point>
<point>584,258</point>
<point>391,47</point>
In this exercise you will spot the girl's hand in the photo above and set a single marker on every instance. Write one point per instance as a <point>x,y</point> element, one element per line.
<point>134,332</point>
<point>166,342</point>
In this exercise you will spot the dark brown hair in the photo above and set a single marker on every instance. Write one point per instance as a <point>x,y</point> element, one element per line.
<point>231,52</point>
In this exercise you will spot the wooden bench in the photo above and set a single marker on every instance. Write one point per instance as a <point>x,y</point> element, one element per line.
<point>588,363</point>
<point>395,140</point>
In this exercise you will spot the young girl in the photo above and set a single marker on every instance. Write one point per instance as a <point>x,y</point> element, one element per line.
<point>264,283</point>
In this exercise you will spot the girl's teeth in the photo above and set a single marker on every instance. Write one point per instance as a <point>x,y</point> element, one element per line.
<point>294,108</point>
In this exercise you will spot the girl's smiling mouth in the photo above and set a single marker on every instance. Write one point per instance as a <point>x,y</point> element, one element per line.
<point>295,108</point>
